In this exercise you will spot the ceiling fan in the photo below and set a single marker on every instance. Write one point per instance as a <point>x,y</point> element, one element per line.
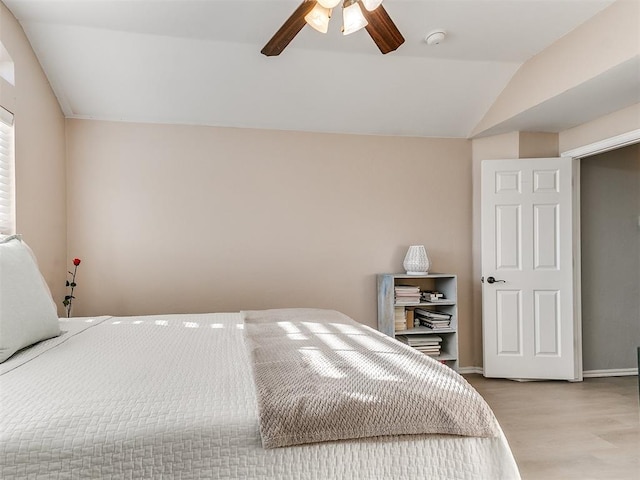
<point>357,14</point>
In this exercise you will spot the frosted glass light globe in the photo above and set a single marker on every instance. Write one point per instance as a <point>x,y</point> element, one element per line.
<point>371,5</point>
<point>352,19</point>
<point>329,3</point>
<point>318,18</point>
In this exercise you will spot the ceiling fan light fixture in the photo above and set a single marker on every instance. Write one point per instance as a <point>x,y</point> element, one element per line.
<point>329,3</point>
<point>318,18</point>
<point>355,16</point>
<point>352,18</point>
<point>371,5</point>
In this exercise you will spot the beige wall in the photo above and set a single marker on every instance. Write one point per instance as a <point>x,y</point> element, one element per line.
<point>197,219</point>
<point>186,219</point>
<point>40,156</point>
<point>611,125</point>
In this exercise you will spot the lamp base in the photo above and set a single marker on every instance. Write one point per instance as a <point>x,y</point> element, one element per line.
<point>417,273</point>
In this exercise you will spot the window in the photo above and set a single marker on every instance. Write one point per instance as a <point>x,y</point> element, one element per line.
<point>7,69</point>
<point>7,177</point>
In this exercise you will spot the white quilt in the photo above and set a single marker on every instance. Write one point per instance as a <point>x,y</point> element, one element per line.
<point>172,396</point>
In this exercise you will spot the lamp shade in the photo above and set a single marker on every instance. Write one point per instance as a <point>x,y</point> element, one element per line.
<point>329,3</point>
<point>318,18</point>
<point>371,5</point>
<point>352,19</point>
<point>416,262</point>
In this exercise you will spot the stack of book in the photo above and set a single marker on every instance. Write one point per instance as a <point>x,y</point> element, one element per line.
<point>399,318</point>
<point>407,295</point>
<point>427,344</point>
<point>432,296</point>
<point>433,319</point>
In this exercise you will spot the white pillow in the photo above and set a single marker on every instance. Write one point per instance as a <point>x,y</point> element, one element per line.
<point>27,312</point>
<point>4,238</point>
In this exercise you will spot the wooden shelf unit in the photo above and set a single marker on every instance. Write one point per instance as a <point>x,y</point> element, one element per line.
<point>441,282</point>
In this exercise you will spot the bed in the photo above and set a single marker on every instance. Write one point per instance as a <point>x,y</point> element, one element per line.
<point>176,396</point>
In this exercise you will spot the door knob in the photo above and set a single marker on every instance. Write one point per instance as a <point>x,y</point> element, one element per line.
<point>493,280</point>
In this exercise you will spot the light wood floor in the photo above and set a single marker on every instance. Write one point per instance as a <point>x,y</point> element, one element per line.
<point>566,431</point>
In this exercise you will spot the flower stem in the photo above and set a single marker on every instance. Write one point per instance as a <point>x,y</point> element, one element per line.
<point>73,283</point>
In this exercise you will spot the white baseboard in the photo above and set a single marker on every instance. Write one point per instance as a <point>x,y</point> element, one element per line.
<point>616,372</point>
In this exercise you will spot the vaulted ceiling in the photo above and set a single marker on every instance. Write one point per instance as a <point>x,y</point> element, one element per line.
<point>199,62</point>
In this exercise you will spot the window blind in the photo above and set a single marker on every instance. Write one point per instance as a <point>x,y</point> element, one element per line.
<point>7,177</point>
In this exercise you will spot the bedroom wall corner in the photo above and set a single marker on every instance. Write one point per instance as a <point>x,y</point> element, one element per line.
<point>40,155</point>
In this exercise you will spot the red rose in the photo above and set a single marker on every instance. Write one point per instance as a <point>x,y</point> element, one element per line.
<point>76,261</point>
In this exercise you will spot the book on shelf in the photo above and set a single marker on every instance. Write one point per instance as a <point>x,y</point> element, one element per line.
<point>399,318</point>
<point>432,314</point>
<point>407,288</point>
<point>435,325</point>
<point>432,296</point>
<point>433,320</point>
<point>408,303</point>
<point>410,318</point>
<point>407,294</point>
<point>427,344</point>
<point>430,351</point>
<point>419,339</point>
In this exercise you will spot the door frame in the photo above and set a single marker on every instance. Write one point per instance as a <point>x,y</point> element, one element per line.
<point>602,146</point>
<point>611,143</point>
<point>586,150</point>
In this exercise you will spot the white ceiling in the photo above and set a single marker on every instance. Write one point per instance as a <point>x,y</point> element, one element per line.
<point>199,62</point>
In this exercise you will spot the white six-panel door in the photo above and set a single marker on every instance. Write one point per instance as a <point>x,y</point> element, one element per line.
<point>527,267</point>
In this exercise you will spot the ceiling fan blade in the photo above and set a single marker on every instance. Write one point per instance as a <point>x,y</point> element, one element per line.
<point>288,30</point>
<point>382,29</point>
